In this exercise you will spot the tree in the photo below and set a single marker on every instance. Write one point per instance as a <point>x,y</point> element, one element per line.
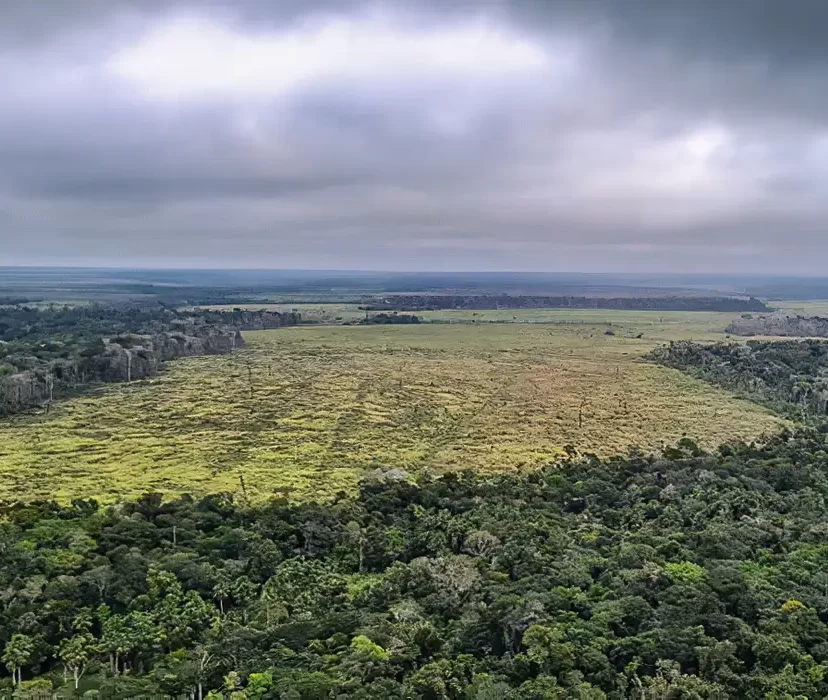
<point>17,653</point>
<point>548,647</point>
<point>76,651</point>
<point>203,662</point>
<point>304,586</point>
<point>259,686</point>
<point>178,615</point>
<point>439,679</point>
<point>223,588</point>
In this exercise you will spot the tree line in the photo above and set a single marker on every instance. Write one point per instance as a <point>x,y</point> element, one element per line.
<point>780,325</point>
<point>788,375</point>
<point>431,302</point>
<point>384,319</point>
<point>46,352</point>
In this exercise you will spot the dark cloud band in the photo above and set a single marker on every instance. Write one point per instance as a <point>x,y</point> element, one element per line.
<point>534,134</point>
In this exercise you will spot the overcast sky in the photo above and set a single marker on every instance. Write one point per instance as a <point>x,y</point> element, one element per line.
<point>626,135</point>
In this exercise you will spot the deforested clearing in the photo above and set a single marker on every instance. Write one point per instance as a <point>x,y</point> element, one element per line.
<point>306,411</point>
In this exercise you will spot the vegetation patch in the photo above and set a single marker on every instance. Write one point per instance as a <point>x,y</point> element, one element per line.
<point>689,576</point>
<point>419,302</point>
<point>53,351</point>
<point>780,324</point>
<point>791,376</point>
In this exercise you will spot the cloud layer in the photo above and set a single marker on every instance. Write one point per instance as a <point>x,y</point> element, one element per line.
<point>536,135</point>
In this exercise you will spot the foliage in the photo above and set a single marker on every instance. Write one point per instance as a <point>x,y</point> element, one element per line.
<point>694,576</point>
<point>684,572</point>
<point>790,375</point>
<point>661,302</point>
<point>57,350</point>
<point>388,319</point>
<point>780,324</point>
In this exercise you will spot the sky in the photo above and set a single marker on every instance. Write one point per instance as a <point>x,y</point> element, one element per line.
<point>548,135</point>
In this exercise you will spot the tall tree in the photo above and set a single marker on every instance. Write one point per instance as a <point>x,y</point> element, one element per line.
<point>17,653</point>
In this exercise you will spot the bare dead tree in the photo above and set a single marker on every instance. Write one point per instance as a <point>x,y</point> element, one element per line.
<point>243,488</point>
<point>250,377</point>
<point>50,384</point>
<point>581,411</point>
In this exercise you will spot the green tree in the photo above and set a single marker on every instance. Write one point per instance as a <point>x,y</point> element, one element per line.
<point>548,647</point>
<point>75,652</point>
<point>16,654</point>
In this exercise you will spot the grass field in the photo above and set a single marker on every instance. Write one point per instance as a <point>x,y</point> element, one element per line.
<point>305,411</point>
<point>804,308</point>
<point>666,324</point>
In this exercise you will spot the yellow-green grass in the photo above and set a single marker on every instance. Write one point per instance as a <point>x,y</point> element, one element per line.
<point>667,324</point>
<point>664,325</point>
<point>307,410</point>
<point>804,308</point>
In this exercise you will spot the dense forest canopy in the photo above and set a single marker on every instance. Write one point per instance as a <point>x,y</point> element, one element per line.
<point>37,325</point>
<point>790,375</point>
<point>684,576</point>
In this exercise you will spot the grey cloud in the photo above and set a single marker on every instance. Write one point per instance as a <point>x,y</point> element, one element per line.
<point>509,174</point>
<point>778,33</point>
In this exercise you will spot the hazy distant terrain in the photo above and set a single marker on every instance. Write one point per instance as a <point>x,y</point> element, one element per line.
<point>250,286</point>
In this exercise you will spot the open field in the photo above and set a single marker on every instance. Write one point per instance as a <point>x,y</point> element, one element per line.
<point>803,308</point>
<point>307,410</point>
<point>667,325</point>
